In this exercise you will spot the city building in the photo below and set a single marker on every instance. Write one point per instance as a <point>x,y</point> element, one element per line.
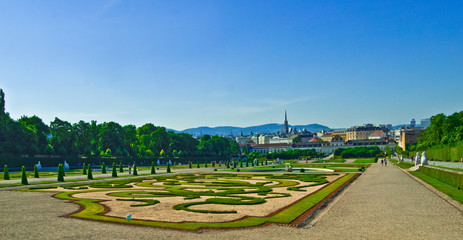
<point>409,135</point>
<point>361,132</point>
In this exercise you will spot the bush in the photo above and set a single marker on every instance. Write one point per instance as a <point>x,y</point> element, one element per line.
<point>376,159</point>
<point>84,169</point>
<point>205,164</point>
<point>135,172</point>
<point>89,173</point>
<point>6,175</point>
<point>60,173</point>
<point>36,171</point>
<point>24,176</point>
<point>189,164</point>
<point>198,165</point>
<point>121,169</point>
<point>103,168</point>
<point>114,170</point>
<point>168,168</point>
<point>302,170</point>
<point>153,170</point>
<point>450,178</point>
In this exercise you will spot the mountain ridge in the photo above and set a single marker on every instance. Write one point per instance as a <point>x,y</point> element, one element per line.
<point>265,128</point>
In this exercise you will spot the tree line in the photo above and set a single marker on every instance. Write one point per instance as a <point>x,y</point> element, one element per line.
<point>31,136</point>
<point>443,131</point>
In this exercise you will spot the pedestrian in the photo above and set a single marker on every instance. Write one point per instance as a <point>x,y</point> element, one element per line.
<point>385,162</point>
<point>130,169</point>
<point>382,161</point>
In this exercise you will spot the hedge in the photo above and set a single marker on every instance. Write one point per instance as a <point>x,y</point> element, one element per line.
<point>451,178</point>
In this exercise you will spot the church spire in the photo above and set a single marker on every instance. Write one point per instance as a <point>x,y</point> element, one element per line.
<point>286,123</point>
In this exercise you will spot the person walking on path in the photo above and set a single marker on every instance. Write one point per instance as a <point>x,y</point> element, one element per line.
<point>385,162</point>
<point>382,161</point>
<point>130,169</point>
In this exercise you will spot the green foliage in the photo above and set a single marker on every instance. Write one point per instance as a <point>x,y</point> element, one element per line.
<point>84,169</point>
<point>6,175</point>
<point>197,165</point>
<point>60,173</point>
<point>168,168</point>
<point>147,202</point>
<point>189,164</point>
<point>153,170</point>
<point>388,151</point>
<point>247,162</point>
<point>444,153</point>
<point>444,130</point>
<point>205,164</point>
<point>89,172</point>
<point>103,168</point>
<point>357,152</point>
<point>450,178</point>
<point>135,171</point>
<point>450,190</point>
<point>36,171</point>
<point>114,172</point>
<point>24,176</point>
<point>121,169</point>
<point>290,154</point>
<point>241,163</point>
<point>234,164</point>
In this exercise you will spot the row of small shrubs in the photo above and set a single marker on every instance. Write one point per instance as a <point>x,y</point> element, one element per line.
<point>451,178</point>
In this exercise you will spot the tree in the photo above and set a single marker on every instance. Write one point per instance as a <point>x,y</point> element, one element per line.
<point>114,173</point>
<point>64,139</point>
<point>36,171</point>
<point>89,173</point>
<point>121,169</point>
<point>198,164</point>
<point>162,153</point>
<point>297,139</point>
<point>60,173</point>
<point>84,169</point>
<point>135,172</point>
<point>189,164</point>
<point>153,171</point>
<point>24,176</point>
<point>6,175</point>
<point>168,168</point>
<point>205,164</point>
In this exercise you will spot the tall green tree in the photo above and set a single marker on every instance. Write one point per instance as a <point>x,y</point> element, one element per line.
<point>114,173</point>
<point>89,172</point>
<point>24,176</point>
<point>36,171</point>
<point>6,174</point>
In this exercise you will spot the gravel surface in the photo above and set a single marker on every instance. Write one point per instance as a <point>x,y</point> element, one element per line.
<point>384,203</point>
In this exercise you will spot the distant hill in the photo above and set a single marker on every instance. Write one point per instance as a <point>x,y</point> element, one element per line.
<point>267,128</point>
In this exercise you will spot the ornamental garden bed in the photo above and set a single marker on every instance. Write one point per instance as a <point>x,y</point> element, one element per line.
<point>202,200</point>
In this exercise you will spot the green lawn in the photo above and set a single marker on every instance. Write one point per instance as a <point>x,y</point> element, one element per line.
<point>404,165</point>
<point>365,160</point>
<point>451,191</point>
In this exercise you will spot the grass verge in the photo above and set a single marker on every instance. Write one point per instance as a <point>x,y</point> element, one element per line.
<point>451,191</point>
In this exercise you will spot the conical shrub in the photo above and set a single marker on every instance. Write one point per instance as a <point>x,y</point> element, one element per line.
<point>6,175</point>
<point>114,170</point>
<point>24,176</point>
<point>205,164</point>
<point>121,169</point>
<point>103,168</point>
<point>228,164</point>
<point>189,164</point>
<point>89,173</point>
<point>198,165</point>
<point>135,172</point>
<point>241,163</point>
<point>247,163</point>
<point>168,168</point>
<point>36,171</point>
<point>234,164</point>
<point>153,169</point>
<point>84,169</point>
<point>60,173</point>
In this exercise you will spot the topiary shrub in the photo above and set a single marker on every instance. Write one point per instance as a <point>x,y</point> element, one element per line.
<point>89,173</point>
<point>168,168</point>
<point>153,170</point>
<point>6,175</point>
<point>234,164</point>
<point>198,165</point>
<point>24,176</point>
<point>189,164</point>
<point>103,168</point>
<point>228,164</point>
<point>205,164</point>
<point>302,170</point>
<point>247,163</point>
<point>215,169</point>
<point>121,169</point>
<point>241,163</point>
<point>114,174</point>
<point>60,173</point>
<point>84,169</point>
<point>238,170</point>
<point>36,171</point>
<point>135,172</point>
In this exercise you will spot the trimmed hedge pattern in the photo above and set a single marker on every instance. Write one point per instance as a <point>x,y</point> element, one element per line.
<point>450,178</point>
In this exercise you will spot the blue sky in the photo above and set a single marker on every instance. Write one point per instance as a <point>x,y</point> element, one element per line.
<point>184,64</point>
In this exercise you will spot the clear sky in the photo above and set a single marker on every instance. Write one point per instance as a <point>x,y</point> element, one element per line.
<point>183,64</point>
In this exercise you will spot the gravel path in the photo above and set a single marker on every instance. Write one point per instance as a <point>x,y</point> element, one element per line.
<point>384,203</point>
